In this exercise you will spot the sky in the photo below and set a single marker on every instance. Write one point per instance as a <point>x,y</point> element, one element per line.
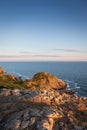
<point>43,30</point>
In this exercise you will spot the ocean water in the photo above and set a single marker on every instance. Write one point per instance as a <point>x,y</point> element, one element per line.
<point>74,73</point>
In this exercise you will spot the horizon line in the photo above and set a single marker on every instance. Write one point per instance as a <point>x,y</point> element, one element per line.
<point>47,61</point>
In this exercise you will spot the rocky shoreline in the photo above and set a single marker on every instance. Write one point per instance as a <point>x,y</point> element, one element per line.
<point>47,107</point>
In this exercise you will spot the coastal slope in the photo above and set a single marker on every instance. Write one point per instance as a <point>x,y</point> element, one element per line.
<point>40,103</point>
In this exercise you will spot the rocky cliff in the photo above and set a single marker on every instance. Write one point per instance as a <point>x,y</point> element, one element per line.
<point>51,108</point>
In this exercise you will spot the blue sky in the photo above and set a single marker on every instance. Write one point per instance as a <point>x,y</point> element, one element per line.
<point>43,30</point>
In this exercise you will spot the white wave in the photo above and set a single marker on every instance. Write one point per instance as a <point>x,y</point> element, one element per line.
<point>78,87</point>
<point>68,85</point>
<point>68,81</point>
<point>17,74</point>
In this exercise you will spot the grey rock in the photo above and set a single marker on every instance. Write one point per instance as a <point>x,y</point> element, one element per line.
<point>24,124</point>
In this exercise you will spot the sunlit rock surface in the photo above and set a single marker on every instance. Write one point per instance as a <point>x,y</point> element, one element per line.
<point>44,80</point>
<point>2,71</point>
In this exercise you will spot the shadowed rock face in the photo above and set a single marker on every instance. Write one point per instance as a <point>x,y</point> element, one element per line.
<point>44,80</point>
<point>42,110</point>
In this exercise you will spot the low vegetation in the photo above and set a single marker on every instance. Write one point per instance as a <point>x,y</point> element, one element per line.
<point>42,80</point>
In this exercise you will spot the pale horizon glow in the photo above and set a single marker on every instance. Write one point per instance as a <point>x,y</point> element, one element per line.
<point>43,30</point>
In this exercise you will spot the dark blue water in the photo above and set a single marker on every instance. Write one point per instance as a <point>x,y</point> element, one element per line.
<point>74,73</point>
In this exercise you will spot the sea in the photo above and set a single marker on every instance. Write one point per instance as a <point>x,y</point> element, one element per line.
<point>74,73</point>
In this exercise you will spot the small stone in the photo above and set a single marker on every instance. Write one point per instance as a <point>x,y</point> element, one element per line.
<point>43,125</point>
<point>78,127</point>
<point>32,121</point>
<point>13,125</point>
<point>15,92</point>
<point>26,115</point>
<point>5,93</point>
<point>24,124</point>
<point>35,112</point>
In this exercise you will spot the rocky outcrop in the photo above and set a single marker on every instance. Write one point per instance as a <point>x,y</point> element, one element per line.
<point>44,80</point>
<point>10,81</point>
<point>41,103</point>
